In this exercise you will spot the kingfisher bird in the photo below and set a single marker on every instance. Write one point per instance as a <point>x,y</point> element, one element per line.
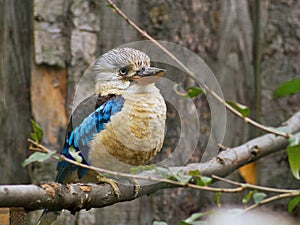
<point>125,125</point>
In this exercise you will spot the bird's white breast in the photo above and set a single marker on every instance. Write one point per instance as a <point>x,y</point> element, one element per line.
<point>134,135</point>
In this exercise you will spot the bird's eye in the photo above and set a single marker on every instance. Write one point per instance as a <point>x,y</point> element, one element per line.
<point>123,71</point>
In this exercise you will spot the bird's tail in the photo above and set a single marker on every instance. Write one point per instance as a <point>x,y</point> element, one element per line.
<point>48,217</point>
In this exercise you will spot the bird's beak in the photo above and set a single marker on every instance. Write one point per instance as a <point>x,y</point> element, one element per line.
<point>148,72</point>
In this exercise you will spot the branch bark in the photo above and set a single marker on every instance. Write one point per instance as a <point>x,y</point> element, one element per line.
<point>74,197</point>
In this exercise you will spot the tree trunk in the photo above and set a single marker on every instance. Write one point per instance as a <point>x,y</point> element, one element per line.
<point>15,113</point>
<point>280,47</point>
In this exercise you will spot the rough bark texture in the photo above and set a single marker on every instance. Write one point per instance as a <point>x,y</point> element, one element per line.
<point>15,61</point>
<point>220,32</point>
<point>280,62</point>
<point>70,34</point>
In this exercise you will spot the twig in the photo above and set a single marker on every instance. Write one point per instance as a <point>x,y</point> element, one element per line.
<point>285,193</point>
<point>252,186</point>
<point>273,198</point>
<point>192,75</point>
<point>36,149</point>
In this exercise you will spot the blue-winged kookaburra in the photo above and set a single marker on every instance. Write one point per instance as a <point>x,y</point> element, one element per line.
<point>124,128</point>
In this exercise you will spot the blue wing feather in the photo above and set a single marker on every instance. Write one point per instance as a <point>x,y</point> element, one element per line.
<point>80,137</point>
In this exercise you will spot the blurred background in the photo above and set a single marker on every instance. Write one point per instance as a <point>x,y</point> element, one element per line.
<point>252,46</point>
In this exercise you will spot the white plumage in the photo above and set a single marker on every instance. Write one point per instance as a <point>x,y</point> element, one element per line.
<point>134,135</point>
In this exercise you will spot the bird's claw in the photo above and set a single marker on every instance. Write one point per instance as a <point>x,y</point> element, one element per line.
<point>112,183</point>
<point>115,187</point>
<point>136,187</point>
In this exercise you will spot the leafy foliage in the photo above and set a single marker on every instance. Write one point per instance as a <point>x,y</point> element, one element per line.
<point>37,134</point>
<point>200,180</point>
<point>194,219</point>
<point>258,196</point>
<point>163,171</point>
<point>255,195</point>
<point>293,152</point>
<point>110,6</point>
<point>293,149</point>
<point>190,92</point>
<point>184,178</point>
<point>244,110</point>
<point>218,199</point>
<point>293,203</point>
<point>288,88</point>
<point>178,176</point>
<point>193,92</point>
<point>159,223</point>
<point>247,197</point>
<point>37,157</point>
<point>75,154</point>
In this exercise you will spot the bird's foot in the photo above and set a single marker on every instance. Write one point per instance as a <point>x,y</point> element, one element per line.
<point>136,187</point>
<point>112,183</point>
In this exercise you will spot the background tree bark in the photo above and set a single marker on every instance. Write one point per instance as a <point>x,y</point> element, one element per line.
<point>15,68</point>
<point>70,34</point>
<point>280,43</point>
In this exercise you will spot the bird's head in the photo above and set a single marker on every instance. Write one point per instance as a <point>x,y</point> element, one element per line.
<point>122,68</point>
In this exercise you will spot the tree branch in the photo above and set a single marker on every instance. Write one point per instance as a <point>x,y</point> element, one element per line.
<point>85,196</point>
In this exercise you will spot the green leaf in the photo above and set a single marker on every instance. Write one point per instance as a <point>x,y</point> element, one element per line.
<point>293,203</point>
<point>38,133</point>
<point>75,154</point>
<point>198,222</point>
<point>200,180</point>
<point>217,199</point>
<point>258,197</point>
<point>137,169</point>
<point>110,6</point>
<point>164,172</point>
<point>178,176</point>
<point>195,216</point>
<point>193,219</point>
<point>34,137</point>
<point>247,197</point>
<point>182,178</point>
<point>190,92</point>
<point>37,157</point>
<point>159,223</point>
<point>195,173</point>
<point>288,88</point>
<point>293,153</point>
<point>244,110</point>
<point>203,181</point>
<point>193,92</point>
<point>206,180</point>
<point>184,223</point>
